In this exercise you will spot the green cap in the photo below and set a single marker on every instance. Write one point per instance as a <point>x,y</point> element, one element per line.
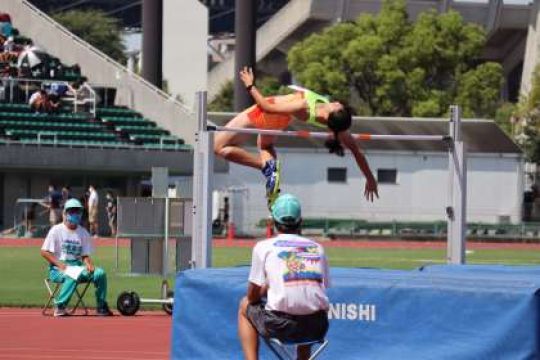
<point>73,203</point>
<point>287,210</point>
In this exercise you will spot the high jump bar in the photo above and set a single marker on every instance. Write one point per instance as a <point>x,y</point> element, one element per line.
<point>324,135</point>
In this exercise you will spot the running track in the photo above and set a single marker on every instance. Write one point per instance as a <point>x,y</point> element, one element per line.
<point>360,244</point>
<point>26,334</point>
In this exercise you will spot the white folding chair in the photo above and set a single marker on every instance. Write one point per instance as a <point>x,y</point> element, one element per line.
<point>288,351</point>
<point>49,284</point>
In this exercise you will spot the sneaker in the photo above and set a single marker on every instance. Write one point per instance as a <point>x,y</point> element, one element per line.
<point>272,172</point>
<point>60,310</point>
<point>104,311</point>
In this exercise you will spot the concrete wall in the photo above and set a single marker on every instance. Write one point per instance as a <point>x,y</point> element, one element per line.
<point>185,57</point>
<point>531,51</point>
<point>419,195</point>
<point>128,161</point>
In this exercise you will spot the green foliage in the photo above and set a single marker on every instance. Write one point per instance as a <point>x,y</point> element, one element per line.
<point>401,68</point>
<point>96,28</point>
<point>504,117</point>
<point>528,114</point>
<point>479,90</point>
<point>224,101</point>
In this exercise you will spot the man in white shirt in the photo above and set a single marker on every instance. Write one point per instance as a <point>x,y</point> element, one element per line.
<point>292,272</point>
<point>67,249</point>
<point>93,201</point>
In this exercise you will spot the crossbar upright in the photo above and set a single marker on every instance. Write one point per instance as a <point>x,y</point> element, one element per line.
<point>203,168</point>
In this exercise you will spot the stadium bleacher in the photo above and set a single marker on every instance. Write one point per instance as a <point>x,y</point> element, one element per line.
<point>111,126</point>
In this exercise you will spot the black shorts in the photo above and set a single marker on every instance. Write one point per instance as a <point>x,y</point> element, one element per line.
<point>287,327</point>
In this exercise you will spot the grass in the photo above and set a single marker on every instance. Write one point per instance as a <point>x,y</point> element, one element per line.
<point>22,270</point>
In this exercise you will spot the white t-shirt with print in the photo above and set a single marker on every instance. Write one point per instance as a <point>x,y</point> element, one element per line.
<point>295,269</point>
<point>67,244</point>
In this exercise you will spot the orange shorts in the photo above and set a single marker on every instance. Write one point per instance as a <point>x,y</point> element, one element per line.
<point>269,121</point>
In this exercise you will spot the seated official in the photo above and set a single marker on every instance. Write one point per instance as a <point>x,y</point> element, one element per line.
<point>69,244</point>
<point>292,272</point>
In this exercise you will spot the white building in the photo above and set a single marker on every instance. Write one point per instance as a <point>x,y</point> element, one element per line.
<point>413,177</point>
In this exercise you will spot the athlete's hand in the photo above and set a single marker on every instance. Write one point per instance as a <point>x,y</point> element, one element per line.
<point>371,188</point>
<point>246,75</point>
<point>90,268</point>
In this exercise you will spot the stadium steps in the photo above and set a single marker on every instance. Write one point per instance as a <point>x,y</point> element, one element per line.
<point>141,131</point>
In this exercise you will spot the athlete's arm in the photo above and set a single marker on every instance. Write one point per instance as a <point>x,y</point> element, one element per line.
<point>289,107</point>
<point>53,260</point>
<point>88,262</point>
<point>371,184</point>
<point>254,293</point>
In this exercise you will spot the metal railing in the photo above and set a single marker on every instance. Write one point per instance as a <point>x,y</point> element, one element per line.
<point>85,95</point>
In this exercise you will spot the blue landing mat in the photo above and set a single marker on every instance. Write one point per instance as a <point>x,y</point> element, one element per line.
<point>437,312</point>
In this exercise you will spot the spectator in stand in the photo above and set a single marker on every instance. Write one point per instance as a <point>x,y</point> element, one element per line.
<point>53,203</point>
<point>40,102</point>
<point>111,212</point>
<point>93,202</point>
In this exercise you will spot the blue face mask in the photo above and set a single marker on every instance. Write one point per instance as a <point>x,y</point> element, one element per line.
<point>74,219</point>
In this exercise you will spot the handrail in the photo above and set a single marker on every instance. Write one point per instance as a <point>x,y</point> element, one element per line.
<point>41,82</point>
<point>105,57</point>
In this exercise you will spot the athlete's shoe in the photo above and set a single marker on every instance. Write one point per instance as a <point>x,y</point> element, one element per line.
<point>60,310</point>
<point>272,172</point>
<point>104,311</point>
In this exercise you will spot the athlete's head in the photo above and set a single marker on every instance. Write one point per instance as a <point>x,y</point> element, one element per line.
<point>73,210</point>
<point>339,119</point>
<point>287,214</point>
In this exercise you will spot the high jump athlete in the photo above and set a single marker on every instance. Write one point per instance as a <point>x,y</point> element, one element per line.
<point>276,113</point>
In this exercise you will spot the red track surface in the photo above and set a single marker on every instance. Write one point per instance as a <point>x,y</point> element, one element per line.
<point>361,244</point>
<point>26,334</point>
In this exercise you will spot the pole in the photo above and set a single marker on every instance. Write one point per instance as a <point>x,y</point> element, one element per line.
<point>166,236</point>
<point>152,48</point>
<point>244,51</point>
<point>325,135</point>
<point>203,169</point>
<point>457,191</point>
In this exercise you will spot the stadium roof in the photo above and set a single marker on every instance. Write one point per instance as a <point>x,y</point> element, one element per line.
<point>221,12</point>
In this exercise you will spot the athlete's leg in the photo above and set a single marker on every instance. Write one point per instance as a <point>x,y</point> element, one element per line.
<point>271,167</point>
<point>227,144</point>
<point>265,143</point>
<point>247,333</point>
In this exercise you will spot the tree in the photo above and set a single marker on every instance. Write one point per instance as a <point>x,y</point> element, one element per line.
<point>528,119</point>
<point>96,28</point>
<point>388,65</point>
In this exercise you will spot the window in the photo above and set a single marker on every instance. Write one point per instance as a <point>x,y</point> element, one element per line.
<point>337,175</point>
<point>387,176</point>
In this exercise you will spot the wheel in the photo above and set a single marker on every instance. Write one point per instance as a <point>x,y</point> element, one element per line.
<point>166,294</point>
<point>128,303</point>
<point>168,307</point>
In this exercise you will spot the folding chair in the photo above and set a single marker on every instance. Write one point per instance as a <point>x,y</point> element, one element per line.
<point>288,351</point>
<point>78,294</point>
